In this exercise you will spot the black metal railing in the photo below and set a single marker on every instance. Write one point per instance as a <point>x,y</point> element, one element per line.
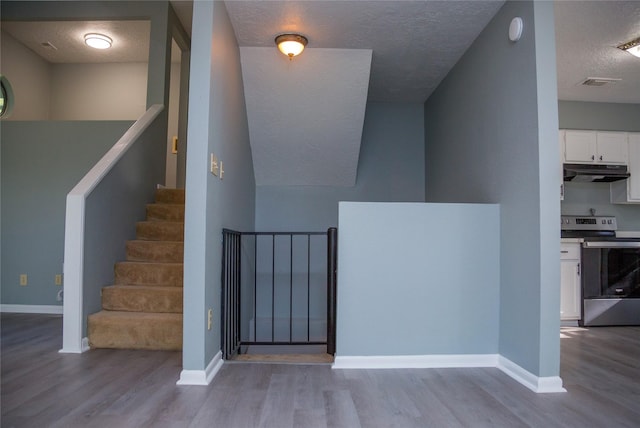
<point>231,282</point>
<point>274,283</point>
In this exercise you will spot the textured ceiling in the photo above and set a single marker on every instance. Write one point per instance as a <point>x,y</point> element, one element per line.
<point>130,40</point>
<point>305,115</point>
<point>414,43</point>
<point>587,33</point>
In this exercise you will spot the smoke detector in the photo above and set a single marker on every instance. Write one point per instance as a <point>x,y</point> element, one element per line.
<point>599,81</point>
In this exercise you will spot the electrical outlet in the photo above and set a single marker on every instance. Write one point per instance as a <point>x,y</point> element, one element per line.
<point>209,318</point>
<point>23,279</point>
<point>58,280</point>
<point>221,170</point>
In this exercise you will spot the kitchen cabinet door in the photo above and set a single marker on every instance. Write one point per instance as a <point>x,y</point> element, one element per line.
<point>570,295</point>
<point>611,147</point>
<point>628,191</point>
<point>579,146</point>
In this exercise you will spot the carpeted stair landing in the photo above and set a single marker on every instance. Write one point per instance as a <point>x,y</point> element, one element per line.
<point>143,309</point>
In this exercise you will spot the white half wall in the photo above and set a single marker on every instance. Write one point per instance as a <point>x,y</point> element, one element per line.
<point>418,279</point>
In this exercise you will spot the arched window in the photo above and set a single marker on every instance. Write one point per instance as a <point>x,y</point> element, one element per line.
<point>6,97</point>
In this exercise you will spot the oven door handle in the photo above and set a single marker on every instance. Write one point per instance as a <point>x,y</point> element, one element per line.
<point>609,244</point>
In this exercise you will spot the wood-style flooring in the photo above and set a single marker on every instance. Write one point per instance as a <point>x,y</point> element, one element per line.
<point>110,388</point>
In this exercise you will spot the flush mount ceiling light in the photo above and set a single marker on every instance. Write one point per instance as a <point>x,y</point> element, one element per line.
<point>633,47</point>
<point>291,44</point>
<point>97,41</point>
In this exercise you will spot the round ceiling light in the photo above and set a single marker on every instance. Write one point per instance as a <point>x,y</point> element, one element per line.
<point>291,44</point>
<point>98,41</point>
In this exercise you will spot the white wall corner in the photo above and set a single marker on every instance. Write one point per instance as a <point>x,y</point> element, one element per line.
<point>202,377</point>
<point>535,383</point>
<point>415,361</point>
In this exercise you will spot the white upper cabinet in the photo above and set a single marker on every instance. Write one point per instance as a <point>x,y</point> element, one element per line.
<point>595,147</point>
<point>579,146</point>
<point>612,147</point>
<point>628,191</point>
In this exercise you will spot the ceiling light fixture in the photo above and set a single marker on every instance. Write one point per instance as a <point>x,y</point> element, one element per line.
<point>633,47</point>
<point>97,41</point>
<point>291,44</point>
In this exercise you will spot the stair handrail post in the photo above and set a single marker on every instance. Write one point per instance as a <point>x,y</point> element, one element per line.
<point>332,280</point>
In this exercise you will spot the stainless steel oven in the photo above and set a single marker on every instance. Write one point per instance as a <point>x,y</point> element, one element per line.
<point>610,271</point>
<point>611,282</point>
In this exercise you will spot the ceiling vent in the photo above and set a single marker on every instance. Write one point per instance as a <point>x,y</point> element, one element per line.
<point>48,45</point>
<point>599,81</point>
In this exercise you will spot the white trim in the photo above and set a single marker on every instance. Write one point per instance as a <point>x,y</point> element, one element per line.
<point>73,266</point>
<point>202,377</point>
<point>416,361</point>
<point>535,383</point>
<point>84,347</point>
<point>528,379</point>
<point>32,309</point>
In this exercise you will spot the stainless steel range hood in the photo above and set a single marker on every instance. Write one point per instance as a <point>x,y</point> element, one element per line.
<point>594,173</point>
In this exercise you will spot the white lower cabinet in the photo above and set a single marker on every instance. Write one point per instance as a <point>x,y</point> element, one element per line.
<point>570,295</point>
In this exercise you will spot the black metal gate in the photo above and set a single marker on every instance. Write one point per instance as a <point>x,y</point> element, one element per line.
<point>273,289</point>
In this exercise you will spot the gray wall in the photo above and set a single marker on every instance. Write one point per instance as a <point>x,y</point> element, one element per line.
<point>580,197</point>
<point>41,162</point>
<point>158,12</point>
<point>490,129</point>
<point>400,294</point>
<point>599,116</point>
<point>30,79</point>
<point>217,124</point>
<point>390,169</point>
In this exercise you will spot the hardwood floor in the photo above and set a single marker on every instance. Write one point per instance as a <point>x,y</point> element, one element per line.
<point>108,388</point>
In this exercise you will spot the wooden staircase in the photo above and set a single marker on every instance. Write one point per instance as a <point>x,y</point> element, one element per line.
<point>143,309</point>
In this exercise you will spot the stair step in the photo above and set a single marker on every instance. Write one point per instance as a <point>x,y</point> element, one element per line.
<point>142,298</point>
<point>148,273</point>
<point>170,196</point>
<point>166,212</point>
<point>135,330</point>
<point>160,230</point>
<point>155,251</point>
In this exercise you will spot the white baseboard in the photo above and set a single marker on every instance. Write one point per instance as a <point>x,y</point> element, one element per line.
<point>528,379</point>
<point>32,309</point>
<point>201,377</point>
<point>84,347</point>
<point>416,361</point>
